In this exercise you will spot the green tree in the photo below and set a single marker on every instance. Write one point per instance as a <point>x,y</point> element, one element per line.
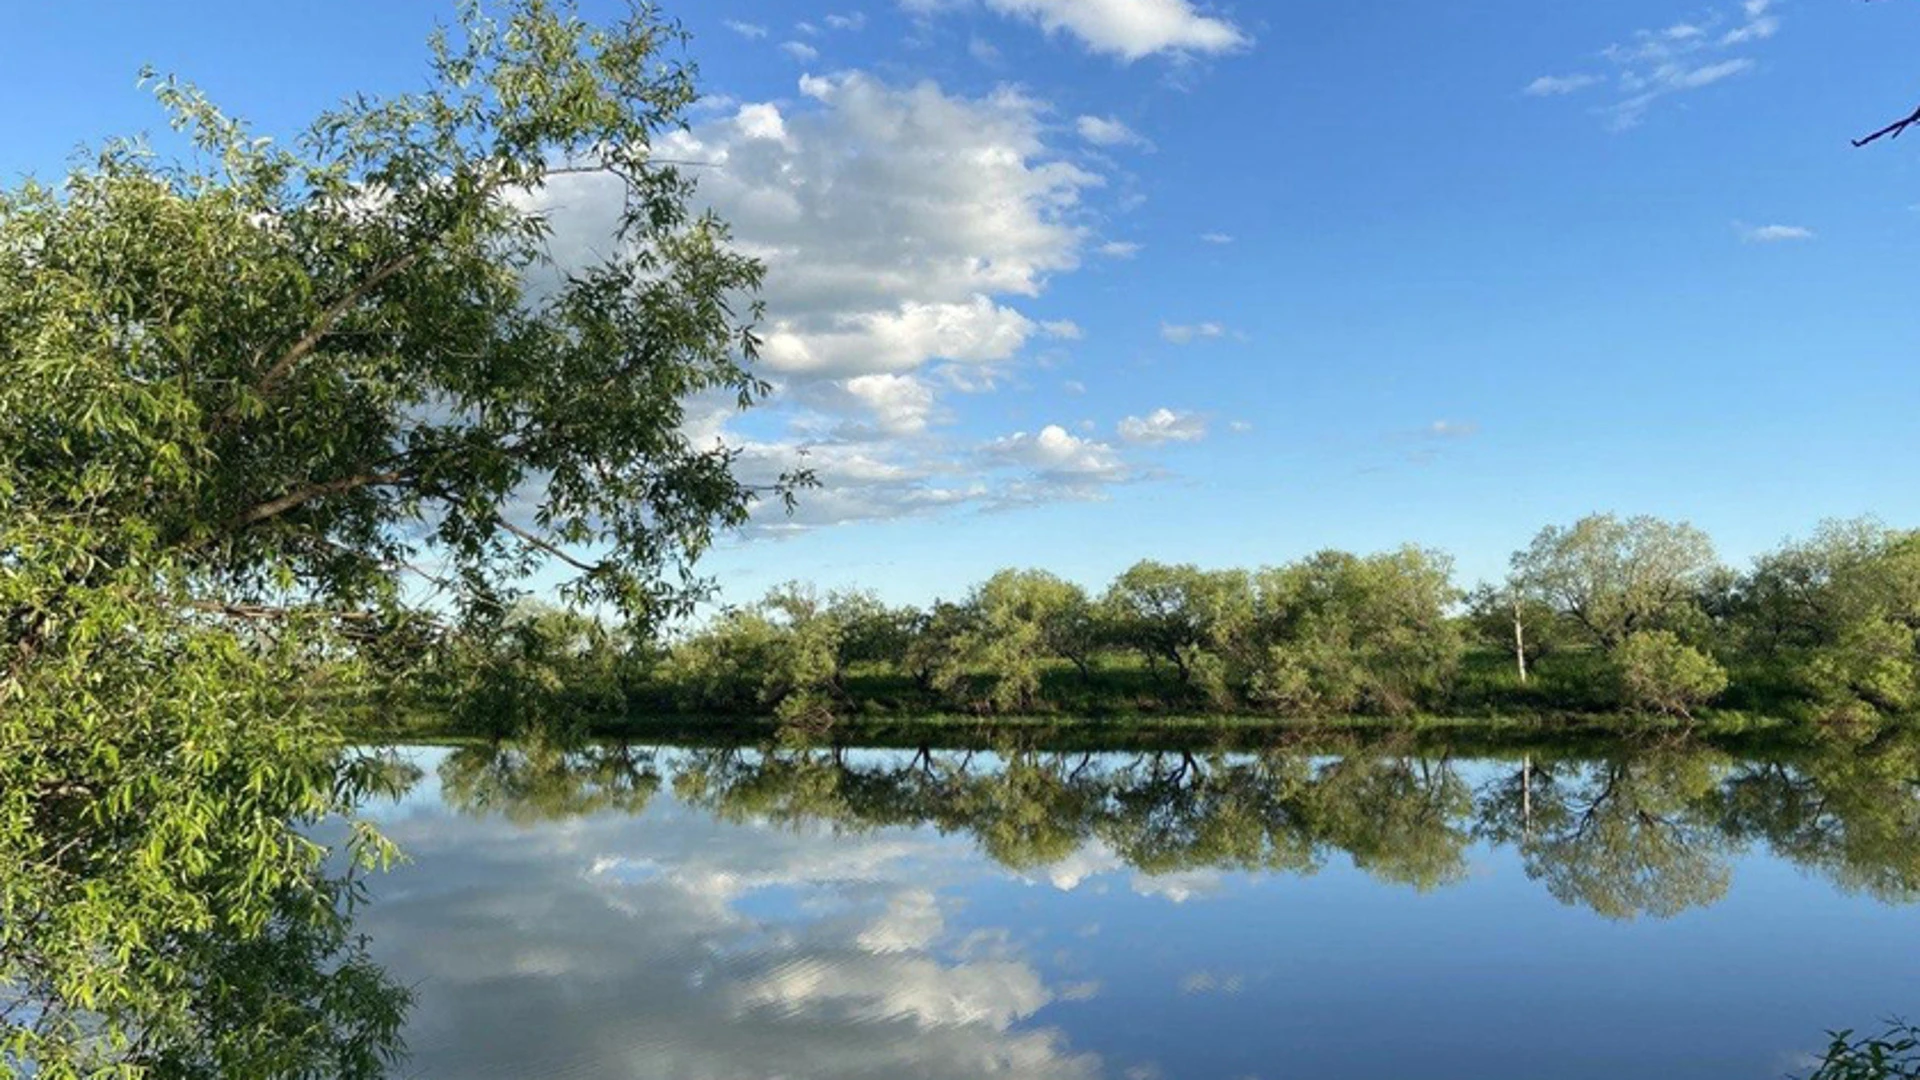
<point>1176,613</point>
<point>1019,621</point>
<point>244,396</point>
<point>1840,613</point>
<point>1654,669</point>
<point>1345,632</point>
<point>1610,576</point>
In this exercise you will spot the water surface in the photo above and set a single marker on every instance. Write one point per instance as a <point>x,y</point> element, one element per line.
<point>628,911</point>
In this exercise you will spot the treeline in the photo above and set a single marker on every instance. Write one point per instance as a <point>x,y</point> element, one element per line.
<point>1607,614</point>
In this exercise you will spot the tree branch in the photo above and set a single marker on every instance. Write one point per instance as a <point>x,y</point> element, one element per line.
<point>549,548</point>
<point>1892,130</point>
<point>301,496</point>
<point>311,339</point>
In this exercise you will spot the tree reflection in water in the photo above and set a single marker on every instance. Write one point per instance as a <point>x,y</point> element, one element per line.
<point>1648,830</point>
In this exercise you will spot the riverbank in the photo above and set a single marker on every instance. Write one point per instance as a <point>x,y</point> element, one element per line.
<point>1729,730</point>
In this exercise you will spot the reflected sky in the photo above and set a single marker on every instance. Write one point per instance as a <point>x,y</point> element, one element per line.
<point>631,912</point>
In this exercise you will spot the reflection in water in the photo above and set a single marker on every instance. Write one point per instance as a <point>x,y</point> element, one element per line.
<point>633,911</point>
<point>1647,832</point>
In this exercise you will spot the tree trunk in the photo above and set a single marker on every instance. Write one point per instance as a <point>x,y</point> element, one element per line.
<point>1519,644</point>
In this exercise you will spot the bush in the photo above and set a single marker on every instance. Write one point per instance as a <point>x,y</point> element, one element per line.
<point>1656,670</point>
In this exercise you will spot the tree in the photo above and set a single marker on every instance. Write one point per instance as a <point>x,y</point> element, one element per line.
<point>1839,612</point>
<point>1656,670</point>
<point>244,397</point>
<point>780,656</point>
<point>1611,576</point>
<point>1020,619</point>
<point>1174,613</point>
<point>1345,632</point>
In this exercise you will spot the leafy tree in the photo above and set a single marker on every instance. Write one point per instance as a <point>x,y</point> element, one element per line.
<point>871,631</point>
<point>244,396</point>
<point>1019,620</point>
<point>779,657</point>
<point>1656,670</point>
<point>1506,618</point>
<point>1893,1054</point>
<point>1176,613</point>
<point>1610,576</point>
<point>1840,612</point>
<point>1347,632</point>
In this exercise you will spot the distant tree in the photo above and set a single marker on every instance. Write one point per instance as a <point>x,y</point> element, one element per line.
<point>871,631</point>
<point>1346,632</point>
<point>1841,613</point>
<point>1177,614</point>
<point>779,657</point>
<point>1655,670</point>
<point>1019,620</point>
<point>1505,618</point>
<point>1611,576</point>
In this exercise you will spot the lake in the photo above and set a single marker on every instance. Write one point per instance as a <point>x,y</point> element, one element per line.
<point>659,912</point>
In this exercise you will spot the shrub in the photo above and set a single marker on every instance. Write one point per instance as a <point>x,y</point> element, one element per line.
<point>1656,670</point>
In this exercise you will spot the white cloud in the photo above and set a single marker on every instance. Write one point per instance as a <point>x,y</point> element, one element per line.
<point>1773,234</point>
<point>1163,426</point>
<point>1182,333</point>
<point>800,51</point>
<point>745,29</point>
<point>1653,64</point>
<point>983,51</point>
<point>1556,85</point>
<point>1240,427</point>
<point>899,403</point>
<point>1110,131</point>
<point>1128,29</point>
<point>1056,452</point>
<point>1215,238</point>
<point>853,20</point>
<point>901,228</point>
<point>1118,249</point>
<point>1452,429</point>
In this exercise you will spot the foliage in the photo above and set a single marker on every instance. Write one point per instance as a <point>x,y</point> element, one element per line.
<point>244,398</point>
<point>1610,576</point>
<point>780,656</point>
<point>163,910</point>
<point>539,669</point>
<point>1173,613</point>
<point>1350,633</point>
<point>1894,1054</point>
<point>1841,611</point>
<point>1656,670</point>
<point>1016,621</point>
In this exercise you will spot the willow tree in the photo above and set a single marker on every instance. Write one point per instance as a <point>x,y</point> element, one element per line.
<point>266,402</point>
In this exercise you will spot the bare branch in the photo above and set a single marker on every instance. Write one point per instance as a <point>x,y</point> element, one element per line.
<point>301,496</point>
<point>1892,130</point>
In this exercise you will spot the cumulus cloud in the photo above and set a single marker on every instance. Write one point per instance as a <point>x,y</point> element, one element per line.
<point>852,20</point>
<point>1163,426</point>
<point>1215,238</point>
<point>1110,131</point>
<point>1773,234</point>
<point>1657,63</point>
<point>902,228</point>
<point>1183,333</point>
<point>1118,249</point>
<point>1127,29</point>
<point>745,29</point>
<point>800,51</point>
<point>1054,452</point>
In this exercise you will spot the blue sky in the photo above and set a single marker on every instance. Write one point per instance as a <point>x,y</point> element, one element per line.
<point>1074,282</point>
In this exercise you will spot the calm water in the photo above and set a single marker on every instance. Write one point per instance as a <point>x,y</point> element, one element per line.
<point>664,913</point>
